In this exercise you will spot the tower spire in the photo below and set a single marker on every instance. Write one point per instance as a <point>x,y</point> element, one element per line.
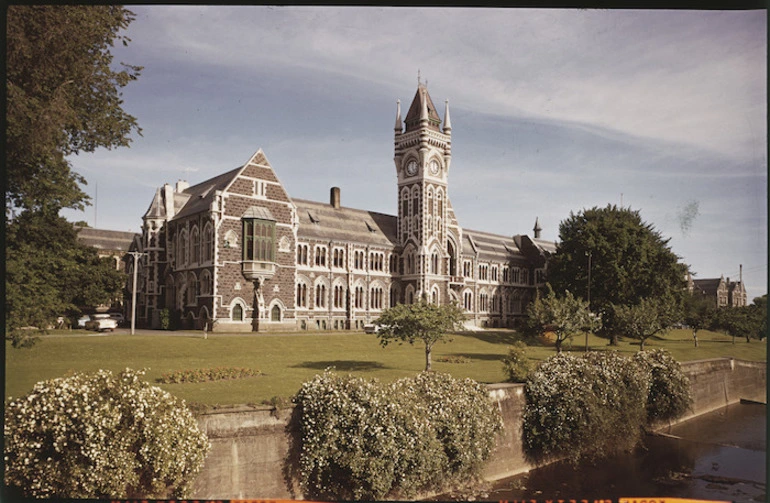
<point>398,126</point>
<point>537,228</point>
<point>447,122</point>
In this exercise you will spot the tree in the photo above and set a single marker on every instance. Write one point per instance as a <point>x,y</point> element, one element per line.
<point>421,321</point>
<point>645,319</point>
<point>699,314</point>
<point>746,321</point>
<point>50,274</point>
<point>629,260</point>
<point>63,98</point>
<point>565,316</point>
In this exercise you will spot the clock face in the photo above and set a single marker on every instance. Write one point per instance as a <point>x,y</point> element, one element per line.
<point>411,168</point>
<point>434,167</point>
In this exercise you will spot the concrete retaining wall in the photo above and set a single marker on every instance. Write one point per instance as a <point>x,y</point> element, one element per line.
<point>250,446</point>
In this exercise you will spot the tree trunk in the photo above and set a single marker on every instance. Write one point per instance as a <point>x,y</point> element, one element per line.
<point>558,344</point>
<point>641,344</point>
<point>613,340</point>
<point>427,358</point>
<point>695,337</point>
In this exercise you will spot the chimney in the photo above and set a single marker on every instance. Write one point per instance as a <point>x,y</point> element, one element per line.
<point>334,198</point>
<point>182,185</point>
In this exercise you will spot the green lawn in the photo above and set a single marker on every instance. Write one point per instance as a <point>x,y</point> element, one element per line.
<point>290,359</point>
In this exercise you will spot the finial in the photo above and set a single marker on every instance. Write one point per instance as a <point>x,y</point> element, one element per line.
<point>418,77</point>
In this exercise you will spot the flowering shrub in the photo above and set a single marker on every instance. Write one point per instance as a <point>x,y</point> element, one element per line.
<point>463,416</point>
<point>364,440</point>
<point>584,407</point>
<point>204,375</point>
<point>670,395</point>
<point>100,436</point>
<point>516,365</point>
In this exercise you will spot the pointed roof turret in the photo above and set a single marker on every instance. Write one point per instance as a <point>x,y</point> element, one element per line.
<point>422,108</point>
<point>537,228</point>
<point>398,127</point>
<point>447,122</point>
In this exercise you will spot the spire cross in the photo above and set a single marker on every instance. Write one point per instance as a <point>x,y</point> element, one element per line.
<point>418,77</point>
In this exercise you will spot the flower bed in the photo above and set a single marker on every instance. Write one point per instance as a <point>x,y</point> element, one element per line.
<point>205,375</point>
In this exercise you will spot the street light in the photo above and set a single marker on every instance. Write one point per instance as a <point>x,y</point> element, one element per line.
<point>136,256</point>
<point>589,291</point>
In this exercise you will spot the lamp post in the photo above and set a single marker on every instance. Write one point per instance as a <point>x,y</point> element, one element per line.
<point>589,293</point>
<point>136,256</point>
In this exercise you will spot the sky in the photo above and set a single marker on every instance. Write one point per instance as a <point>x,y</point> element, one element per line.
<point>553,111</point>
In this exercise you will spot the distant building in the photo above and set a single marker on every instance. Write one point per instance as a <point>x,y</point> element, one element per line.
<point>237,252</point>
<point>722,292</point>
<point>112,244</point>
<point>109,244</point>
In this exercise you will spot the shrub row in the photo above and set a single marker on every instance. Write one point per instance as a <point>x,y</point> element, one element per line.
<point>599,404</point>
<point>205,375</point>
<point>100,436</point>
<point>363,440</point>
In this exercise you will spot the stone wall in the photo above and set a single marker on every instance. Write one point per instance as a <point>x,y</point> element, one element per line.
<point>250,445</point>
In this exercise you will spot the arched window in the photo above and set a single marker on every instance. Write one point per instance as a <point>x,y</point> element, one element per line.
<point>207,247</point>
<point>205,283</point>
<point>301,295</point>
<point>275,313</point>
<point>320,295</point>
<point>237,313</point>
<point>195,245</point>
<point>184,257</point>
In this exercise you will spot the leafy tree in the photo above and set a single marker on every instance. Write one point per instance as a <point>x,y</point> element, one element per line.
<point>629,260</point>
<point>565,316</point>
<point>699,314</point>
<point>50,274</point>
<point>645,319</point>
<point>746,321</point>
<point>421,321</point>
<point>63,98</point>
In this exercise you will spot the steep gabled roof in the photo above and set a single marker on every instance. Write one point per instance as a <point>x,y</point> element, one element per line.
<point>708,286</point>
<point>324,222</point>
<point>200,196</point>
<point>412,120</point>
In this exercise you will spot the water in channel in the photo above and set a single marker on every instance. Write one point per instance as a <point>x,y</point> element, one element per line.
<point>717,456</point>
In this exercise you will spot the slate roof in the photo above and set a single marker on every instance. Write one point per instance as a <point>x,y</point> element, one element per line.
<point>322,221</point>
<point>490,247</point>
<point>103,239</point>
<point>708,286</point>
<point>200,196</point>
<point>412,119</point>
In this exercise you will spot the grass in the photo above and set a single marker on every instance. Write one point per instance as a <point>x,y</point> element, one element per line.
<point>290,359</point>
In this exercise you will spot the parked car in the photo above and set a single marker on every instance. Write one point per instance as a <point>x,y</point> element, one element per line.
<point>83,320</point>
<point>373,328</point>
<point>118,317</point>
<point>101,322</point>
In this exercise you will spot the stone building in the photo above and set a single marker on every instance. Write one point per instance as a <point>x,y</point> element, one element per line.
<point>238,253</point>
<point>722,292</point>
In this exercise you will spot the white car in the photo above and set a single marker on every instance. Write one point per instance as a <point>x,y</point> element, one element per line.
<point>101,322</point>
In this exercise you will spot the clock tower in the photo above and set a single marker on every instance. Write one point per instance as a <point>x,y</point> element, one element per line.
<point>422,159</point>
